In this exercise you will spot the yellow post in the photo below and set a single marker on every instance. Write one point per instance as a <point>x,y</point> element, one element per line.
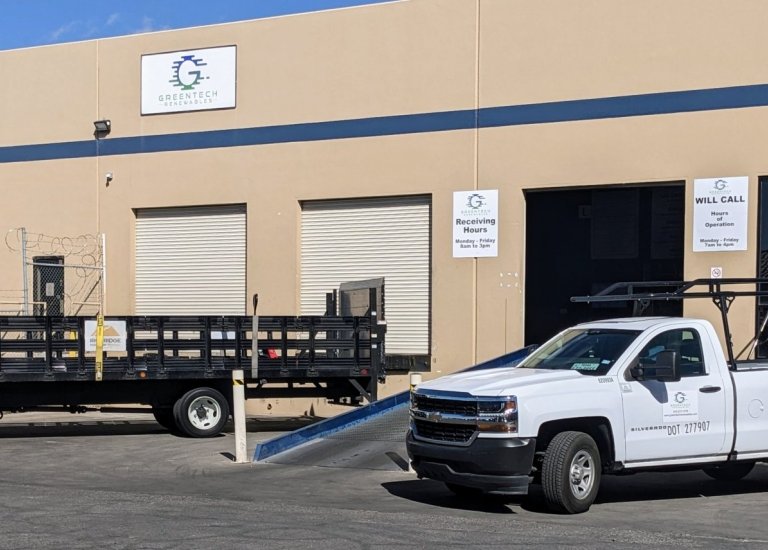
<point>99,347</point>
<point>71,335</point>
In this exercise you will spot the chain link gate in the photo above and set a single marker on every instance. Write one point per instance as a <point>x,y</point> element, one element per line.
<point>60,275</point>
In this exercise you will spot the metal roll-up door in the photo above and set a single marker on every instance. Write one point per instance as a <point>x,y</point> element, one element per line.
<point>350,240</point>
<point>191,261</point>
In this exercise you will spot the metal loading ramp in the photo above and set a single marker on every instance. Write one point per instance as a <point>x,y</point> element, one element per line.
<point>376,443</point>
<point>370,437</point>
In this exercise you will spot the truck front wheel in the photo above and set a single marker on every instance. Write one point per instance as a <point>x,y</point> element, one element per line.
<point>201,412</point>
<point>570,472</point>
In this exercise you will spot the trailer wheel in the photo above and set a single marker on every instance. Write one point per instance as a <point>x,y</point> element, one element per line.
<point>164,417</point>
<point>201,412</point>
<point>730,472</point>
<point>571,470</point>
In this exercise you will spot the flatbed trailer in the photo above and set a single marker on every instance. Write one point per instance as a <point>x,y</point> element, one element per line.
<point>182,366</point>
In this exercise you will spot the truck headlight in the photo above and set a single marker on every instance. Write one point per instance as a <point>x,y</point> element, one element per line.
<point>497,416</point>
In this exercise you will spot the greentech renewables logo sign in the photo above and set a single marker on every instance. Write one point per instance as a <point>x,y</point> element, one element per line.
<point>188,73</point>
<point>194,80</point>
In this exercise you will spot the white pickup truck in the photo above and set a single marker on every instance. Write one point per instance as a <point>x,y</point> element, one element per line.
<point>604,397</point>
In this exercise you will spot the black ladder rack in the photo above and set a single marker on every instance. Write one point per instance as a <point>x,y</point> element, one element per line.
<point>720,291</point>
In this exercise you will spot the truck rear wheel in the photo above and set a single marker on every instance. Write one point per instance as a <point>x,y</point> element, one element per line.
<point>201,412</point>
<point>730,472</point>
<point>570,473</point>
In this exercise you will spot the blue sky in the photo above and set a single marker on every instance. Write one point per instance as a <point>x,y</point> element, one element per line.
<point>25,23</point>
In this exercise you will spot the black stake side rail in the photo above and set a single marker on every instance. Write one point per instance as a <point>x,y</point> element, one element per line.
<point>291,349</point>
<point>722,292</point>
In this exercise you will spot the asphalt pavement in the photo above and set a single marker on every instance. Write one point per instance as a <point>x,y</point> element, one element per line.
<point>119,480</point>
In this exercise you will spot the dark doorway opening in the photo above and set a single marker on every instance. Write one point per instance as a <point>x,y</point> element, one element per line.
<point>579,241</point>
<point>761,320</point>
<point>48,285</point>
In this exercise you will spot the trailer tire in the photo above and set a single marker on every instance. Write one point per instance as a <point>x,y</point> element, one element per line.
<point>201,412</point>
<point>730,472</point>
<point>164,417</point>
<point>570,472</point>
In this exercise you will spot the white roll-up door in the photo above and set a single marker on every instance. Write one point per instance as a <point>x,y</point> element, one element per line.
<point>351,240</point>
<point>191,261</point>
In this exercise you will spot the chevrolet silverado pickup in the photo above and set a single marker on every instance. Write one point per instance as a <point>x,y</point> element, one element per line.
<point>604,397</point>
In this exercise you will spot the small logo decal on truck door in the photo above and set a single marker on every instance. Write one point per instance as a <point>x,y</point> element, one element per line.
<point>682,405</point>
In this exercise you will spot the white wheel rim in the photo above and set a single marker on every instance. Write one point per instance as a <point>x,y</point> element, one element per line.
<point>582,474</point>
<point>204,413</point>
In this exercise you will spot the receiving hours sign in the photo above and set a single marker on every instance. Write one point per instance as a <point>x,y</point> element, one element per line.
<point>475,224</point>
<point>720,214</point>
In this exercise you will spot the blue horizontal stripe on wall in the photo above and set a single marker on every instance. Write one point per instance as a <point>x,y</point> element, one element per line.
<point>489,117</point>
<point>48,151</point>
<point>662,103</point>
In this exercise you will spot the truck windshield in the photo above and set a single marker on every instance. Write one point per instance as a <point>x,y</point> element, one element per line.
<point>589,351</point>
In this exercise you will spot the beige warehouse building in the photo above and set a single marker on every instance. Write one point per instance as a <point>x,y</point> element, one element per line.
<point>284,156</point>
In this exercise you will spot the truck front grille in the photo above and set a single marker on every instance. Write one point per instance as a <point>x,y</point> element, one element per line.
<point>448,406</point>
<point>455,433</point>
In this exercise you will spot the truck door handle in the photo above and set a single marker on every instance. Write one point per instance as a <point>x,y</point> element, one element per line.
<point>710,389</point>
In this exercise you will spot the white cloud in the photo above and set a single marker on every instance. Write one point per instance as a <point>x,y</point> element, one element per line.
<point>114,24</point>
<point>148,25</point>
<point>65,29</point>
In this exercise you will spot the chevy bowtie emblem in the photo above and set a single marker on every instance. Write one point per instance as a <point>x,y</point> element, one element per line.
<point>435,416</point>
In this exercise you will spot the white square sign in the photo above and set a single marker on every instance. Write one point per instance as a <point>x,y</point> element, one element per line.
<point>681,405</point>
<point>475,224</point>
<point>115,335</point>
<point>191,80</point>
<point>720,214</point>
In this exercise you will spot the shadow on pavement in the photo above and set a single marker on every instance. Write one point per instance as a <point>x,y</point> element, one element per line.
<point>663,486</point>
<point>435,493</point>
<point>60,424</point>
<point>75,428</point>
<point>614,489</point>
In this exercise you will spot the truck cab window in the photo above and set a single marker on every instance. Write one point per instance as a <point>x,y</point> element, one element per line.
<point>685,342</point>
<point>588,351</point>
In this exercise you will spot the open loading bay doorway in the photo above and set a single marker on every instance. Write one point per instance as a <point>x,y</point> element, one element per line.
<point>579,241</point>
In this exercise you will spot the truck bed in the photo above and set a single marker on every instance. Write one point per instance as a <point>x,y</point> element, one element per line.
<point>752,364</point>
<point>752,397</point>
<point>329,356</point>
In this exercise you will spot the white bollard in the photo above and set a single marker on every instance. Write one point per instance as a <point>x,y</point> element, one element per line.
<point>238,401</point>
<point>415,379</point>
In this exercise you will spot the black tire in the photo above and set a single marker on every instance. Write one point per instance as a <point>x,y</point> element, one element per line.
<point>462,491</point>
<point>571,472</point>
<point>164,417</point>
<point>730,472</point>
<point>201,412</point>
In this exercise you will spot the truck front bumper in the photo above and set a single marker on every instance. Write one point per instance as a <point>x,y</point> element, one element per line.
<point>493,465</point>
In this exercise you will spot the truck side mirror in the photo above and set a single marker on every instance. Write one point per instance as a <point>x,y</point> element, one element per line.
<point>668,366</point>
<point>664,368</point>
